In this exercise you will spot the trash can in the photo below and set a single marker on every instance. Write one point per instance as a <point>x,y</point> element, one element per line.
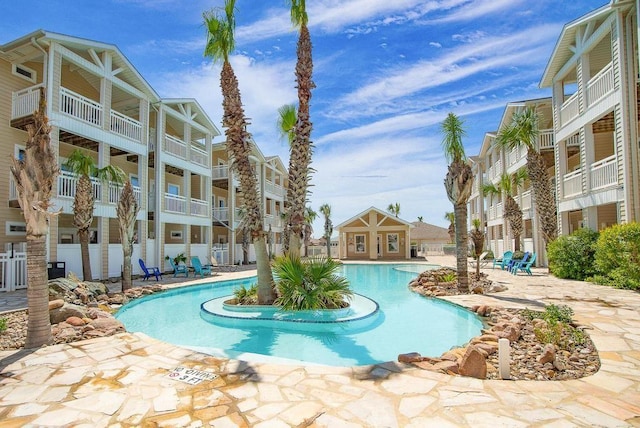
<point>56,270</point>
<point>414,253</point>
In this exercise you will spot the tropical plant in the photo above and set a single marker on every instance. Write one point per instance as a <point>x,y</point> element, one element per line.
<point>573,256</point>
<point>617,256</point>
<point>310,284</point>
<point>524,130</point>
<point>394,209</point>
<point>82,164</point>
<point>451,218</point>
<point>180,258</point>
<point>477,237</point>
<point>220,24</point>
<point>458,184</point>
<point>301,146</point>
<point>127,211</point>
<point>420,218</point>
<point>34,176</point>
<point>309,217</point>
<point>507,187</point>
<point>325,210</point>
<point>246,296</point>
<point>287,116</point>
<point>3,325</point>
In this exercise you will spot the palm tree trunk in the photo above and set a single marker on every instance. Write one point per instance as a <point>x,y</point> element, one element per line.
<point>38,325</point>
<point>513,214</point>
<point>545,200</point>
<point>266,294</point>
<point>83,237</point>
<point>462,249</point>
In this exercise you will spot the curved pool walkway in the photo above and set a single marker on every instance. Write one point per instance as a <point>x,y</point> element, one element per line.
<point>123,380</point>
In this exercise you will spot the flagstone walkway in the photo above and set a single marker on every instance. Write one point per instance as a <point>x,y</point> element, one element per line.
<point>124,380</point>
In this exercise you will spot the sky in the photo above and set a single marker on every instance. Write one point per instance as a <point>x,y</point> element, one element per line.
<point>387,72</point>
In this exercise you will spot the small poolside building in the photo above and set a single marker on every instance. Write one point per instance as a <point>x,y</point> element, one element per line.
<point>374,235</point>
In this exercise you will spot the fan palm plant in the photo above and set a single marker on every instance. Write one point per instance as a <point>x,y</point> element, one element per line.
<point>34,177</point>
<point>477,237</point>
<point>220,24</point>
<point>301,146</point>
<point>325,210</point>
<point>458,184</point>
<point>507,187</point>
<point>394,209</point>
<point>524,130</point>
<point>82,164</point>
<point>451,218</point>
<point>127,211</point>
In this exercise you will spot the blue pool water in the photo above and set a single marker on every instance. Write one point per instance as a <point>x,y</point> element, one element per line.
<point>407,323</point>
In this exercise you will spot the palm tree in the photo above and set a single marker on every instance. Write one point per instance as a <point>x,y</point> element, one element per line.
<point>477,237</point>
<point>83,165</point>
<point>301,147</point>
<point>507,187</point>
<point>127,211</point>
<point>458,183</point>
<point>420,218</point>
<point>325,210</point>
<point>34,177</point>
<point>287,116</point>
<point>524,130</point>
<point>451,218</point>
<point>394,209</point>
<point>220,24</point>
<point>309,217</point>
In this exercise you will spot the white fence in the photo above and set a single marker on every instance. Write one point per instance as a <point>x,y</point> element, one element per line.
<point>13,271</point>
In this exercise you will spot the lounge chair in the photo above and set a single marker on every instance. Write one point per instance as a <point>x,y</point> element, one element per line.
<point>155,271</point>
<point>514,262</point>
<point>178,269</point>
<point>198,269</point>
<point>482,260</point>
<point>524,266</point>
<point>222,267</point>
<point>503,261</point>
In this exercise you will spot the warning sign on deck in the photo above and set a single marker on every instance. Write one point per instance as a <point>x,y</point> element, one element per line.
<point>190,376</point>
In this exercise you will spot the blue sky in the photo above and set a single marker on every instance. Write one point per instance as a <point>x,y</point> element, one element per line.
<point>387,73</point>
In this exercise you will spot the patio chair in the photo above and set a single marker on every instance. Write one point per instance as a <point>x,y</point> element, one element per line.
<point>482,260</point>
<point>222,267</point>
<point>155,271</point>
<point>178,269</point>
<point>514,262</point>
<point>524,266</point>
<point>198,268</point>
<point>503,261</point>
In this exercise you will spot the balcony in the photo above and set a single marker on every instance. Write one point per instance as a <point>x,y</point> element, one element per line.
<point>526,201</point>
<point>79,107</point>
<point>198,156</point>
<point>220,172</point>
<point>570,109</point>
<point>67,183</point>
<point>546,140</point>
<point>603,173</point>
<point>116,189</point>
<point>272,220</point>
<point>125,126</point>
<point>175,146</point>
<point>175,203</point>
<point>221,214</point>
<point>572,183</point>
<point>274,189</point>
<point>597,88</point>
<point>199,208</point>
<point>25,101</point>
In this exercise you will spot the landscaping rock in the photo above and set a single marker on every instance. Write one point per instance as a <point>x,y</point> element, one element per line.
<point>75,321</point>
<point>411,357</point>
<point>55,304</point>
<point>67,310</point>
<point>474,363</point>
<point>548,354</point>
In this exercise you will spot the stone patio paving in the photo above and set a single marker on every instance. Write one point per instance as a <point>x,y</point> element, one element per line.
<point>124,380</point>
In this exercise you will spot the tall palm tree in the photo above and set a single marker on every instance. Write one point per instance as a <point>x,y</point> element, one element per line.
<point>34,177</point>
<point>301,147</point>
<point>507,187</point>
<point>420,218</point>
<point>524,130</point>
<point>451,218</point>
<point>220,24</point>
<point>477,237</point>
<point>394,209</point>
<point>309,217</point>
<point>458,183</point>
<point>287,116</point>
<point>127,211</point>
<point>83,165</point>
<point>325,210</point>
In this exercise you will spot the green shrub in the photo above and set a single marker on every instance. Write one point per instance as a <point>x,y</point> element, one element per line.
<point>617,256</point>
<point>572,256</point>
<point>449,277</point>
<point>490,255</point>
<point>246,296</point>
<point>518,255</point>
<point>3,325</point>
<point>310,284</point>
<point>557,328</point>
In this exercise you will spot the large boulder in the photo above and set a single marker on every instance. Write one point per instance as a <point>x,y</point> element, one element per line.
<point>474,363</point>
<point>73,288</point>
<point>65,311</point>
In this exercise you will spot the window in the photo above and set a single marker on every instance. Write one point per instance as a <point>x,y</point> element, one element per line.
<point>134,180</point>
<point>173,189</point>
<point>16,228</point>
<point>361,246</point>
<point>19,152</point>
<point>176,234</point>
<point>24,72</point>
<point>392,243</point>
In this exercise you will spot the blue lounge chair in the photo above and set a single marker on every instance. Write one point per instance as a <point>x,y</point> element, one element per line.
<point>509,266</point>
<point>149,271</point>
<point>524,266</point>
<point>198,269</point>
<point>502,262</point>
<point>178,269</point>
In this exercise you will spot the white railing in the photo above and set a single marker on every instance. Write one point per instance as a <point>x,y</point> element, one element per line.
<point>116,189</point>
<point>274,188</point>
<point>600,84</point>
<point>492,212</point>
<point>604,173</point>
<point>126,126</point>
<point>175,203</point>
<point>80,107</point>
<point>570,109</point>
<point>221,214</point>
<point>499,210</point>
<point>220,172</point>
<point>25,101</point>
<point>175,146</point>
<point>68,181</point>
<point>574,140</point>
<point>572,183</point>
<point>546,140</point>
<point>13,190</point>
<point>512,156</point>
<point>199,207</point>
<point>272,220</point>
<point>526,200</point>
<point>13,271</point>
<point>198,156</point>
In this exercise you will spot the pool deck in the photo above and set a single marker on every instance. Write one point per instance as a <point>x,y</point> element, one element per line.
<point>123,381</point>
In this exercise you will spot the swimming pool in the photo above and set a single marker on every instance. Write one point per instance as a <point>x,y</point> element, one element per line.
<point>407,322</point>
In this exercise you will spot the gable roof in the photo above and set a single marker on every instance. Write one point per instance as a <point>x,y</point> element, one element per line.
<point>423,230</point>
<point>379,211</point>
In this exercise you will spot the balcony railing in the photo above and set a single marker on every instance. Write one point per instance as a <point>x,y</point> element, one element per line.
<point>574,140</point>
<point>499,210</point>
<point>274,189</point>
<point>199,208</point>
<point>25,101</point>
<point>526,200</point>
<point>199,156</point>
<point>604,173</point>
<point>116,189</point>
<point>600,85</point>
<point>126,126</point>
<point>546,140</point>
<point>572,183</point>
<point>570,109</point>
<point>221,214</point>
<point>67,183</point>
<point>175,203</point>
<point>175,146</point>
<point>272,220</point>
<point>80,107</point>
<point>220,172</point>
